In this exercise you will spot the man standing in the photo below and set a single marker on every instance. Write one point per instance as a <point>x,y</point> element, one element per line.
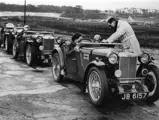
<point>125,34</point>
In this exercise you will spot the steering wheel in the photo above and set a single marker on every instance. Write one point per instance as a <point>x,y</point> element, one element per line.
<point>85,40</point>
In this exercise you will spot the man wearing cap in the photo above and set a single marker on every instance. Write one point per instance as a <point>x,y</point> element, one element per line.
<point>125,34</point>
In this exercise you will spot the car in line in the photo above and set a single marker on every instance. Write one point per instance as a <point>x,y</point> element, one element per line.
<point>7,36</point>
<point>106,70</point>
<point>34,46</point>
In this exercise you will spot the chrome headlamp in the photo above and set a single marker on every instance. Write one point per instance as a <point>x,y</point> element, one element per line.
<point>113,58</point>
<point>144,58</point>
<point>39,39</point>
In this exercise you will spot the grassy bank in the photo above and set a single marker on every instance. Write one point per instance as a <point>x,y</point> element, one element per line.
<point>148,36</point>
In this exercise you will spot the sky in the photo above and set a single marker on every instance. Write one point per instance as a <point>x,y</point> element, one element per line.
<point>93,4</point>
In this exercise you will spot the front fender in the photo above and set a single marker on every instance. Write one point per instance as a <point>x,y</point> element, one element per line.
<point>96,63</point>
<point>59,51</point>
<point>142,66</point>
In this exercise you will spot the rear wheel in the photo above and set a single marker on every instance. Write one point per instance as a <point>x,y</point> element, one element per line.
<point>6,44</point>
<point>15,49</point>
<point>152,83</point>
<point>30,55</point>
<point>0,41</point>
<point>56,68</point>
<point>97,86</point>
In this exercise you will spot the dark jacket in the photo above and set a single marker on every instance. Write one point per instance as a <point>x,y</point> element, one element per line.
<point>70,48</point>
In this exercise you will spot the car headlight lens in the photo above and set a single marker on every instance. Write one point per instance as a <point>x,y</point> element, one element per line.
<point>118,73</point>
<point>113,58</point>
<point>39,39</point>
<point>144,58</point>
<point>41,47</point>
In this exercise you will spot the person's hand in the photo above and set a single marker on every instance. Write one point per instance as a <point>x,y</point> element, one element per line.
<point>68,42</point>
<point>104,41</point>
<point>76,49</point>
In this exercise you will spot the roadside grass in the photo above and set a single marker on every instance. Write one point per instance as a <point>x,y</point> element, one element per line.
<point>148,37</point>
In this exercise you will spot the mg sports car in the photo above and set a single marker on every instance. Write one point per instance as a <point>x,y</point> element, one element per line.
<point>107,70</point>
<point>34,46</point>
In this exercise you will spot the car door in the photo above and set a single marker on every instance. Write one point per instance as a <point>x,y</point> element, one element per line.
<point>71,63</point>
<point>22,44</point>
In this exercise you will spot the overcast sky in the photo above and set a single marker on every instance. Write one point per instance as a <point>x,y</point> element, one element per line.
<point>93,4</point>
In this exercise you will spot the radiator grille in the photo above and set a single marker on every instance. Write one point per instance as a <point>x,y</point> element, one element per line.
<point>127,65</point>
<point>48,44</point>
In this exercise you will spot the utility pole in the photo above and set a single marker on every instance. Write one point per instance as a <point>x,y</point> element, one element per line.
<point>24,12</point>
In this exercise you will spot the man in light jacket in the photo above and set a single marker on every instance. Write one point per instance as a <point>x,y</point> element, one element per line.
<point>125,34</point>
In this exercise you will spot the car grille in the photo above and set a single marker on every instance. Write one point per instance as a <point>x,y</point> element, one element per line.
<point>127,65</point>
<point>48,44</point>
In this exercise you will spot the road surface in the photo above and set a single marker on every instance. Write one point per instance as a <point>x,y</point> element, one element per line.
<point>31,94</point>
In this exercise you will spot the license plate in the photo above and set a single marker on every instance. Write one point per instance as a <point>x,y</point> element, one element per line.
<point>133,96</point>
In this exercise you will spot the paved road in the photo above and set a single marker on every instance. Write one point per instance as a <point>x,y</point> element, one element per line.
<point>31,94</point>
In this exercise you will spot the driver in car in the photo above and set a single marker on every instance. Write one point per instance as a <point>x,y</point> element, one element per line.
<point>125,34</point>
<point>72,45</point>
<point>26,28</point>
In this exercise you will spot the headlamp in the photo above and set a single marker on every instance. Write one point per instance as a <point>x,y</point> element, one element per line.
<point>144,58</point>
<point>41,47</point>
<point>113,58</point>
<point>118,73</point>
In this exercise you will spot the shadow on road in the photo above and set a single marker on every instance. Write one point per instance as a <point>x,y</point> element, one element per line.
<point>113,106</point>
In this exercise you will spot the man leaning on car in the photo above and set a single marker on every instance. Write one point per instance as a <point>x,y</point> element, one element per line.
<point>125,34</point>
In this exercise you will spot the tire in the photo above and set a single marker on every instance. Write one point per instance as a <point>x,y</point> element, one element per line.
<point>152,82</point>
<point>97,96</point>
<point>6,44</point>
<point>30,55</point>
<point>56,68</point>
<point>15,50</point>
<point>0,42</point>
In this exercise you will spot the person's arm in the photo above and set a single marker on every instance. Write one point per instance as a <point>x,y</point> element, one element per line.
<point>120,31</point>
<point>136,47</point>
<point>69,52</point>
<point>19,36</point>
<point>70,48</point>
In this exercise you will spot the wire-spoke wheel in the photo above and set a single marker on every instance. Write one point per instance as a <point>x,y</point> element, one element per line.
<point>30,55</point>
<point>97,86</point>
<point>15,51</point>
<point>56,68</point>
<point>152,83</point>
<point>6,46</point>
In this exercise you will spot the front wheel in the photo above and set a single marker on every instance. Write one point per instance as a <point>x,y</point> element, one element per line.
<point>15,50</point>
<point>152,83</point>
<point>6,44</point>
<point>30,55</point>
<point>97,86</point>
<point>56,68</point>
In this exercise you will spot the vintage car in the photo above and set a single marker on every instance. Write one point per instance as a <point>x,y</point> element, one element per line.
<point>34,46</point>
<point>18,30</point>
<point>7,36</point>
<point>106,71</point>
